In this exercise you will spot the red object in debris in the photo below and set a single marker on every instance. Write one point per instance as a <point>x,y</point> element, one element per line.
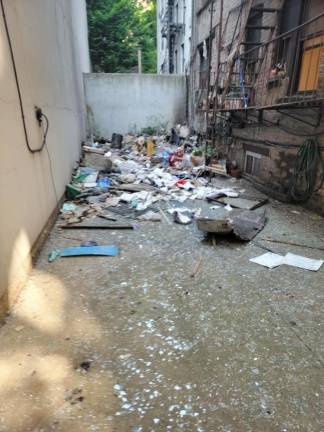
<point>182,182</point>
<point>175,157</point>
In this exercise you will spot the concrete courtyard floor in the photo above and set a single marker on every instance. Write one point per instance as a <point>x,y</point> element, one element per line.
<point>134,344</point>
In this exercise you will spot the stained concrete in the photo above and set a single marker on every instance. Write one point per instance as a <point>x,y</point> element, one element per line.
<point>237,348</point>
<point>145,100</point>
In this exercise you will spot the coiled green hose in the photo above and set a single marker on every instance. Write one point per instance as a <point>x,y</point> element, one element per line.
<point>303,181</point>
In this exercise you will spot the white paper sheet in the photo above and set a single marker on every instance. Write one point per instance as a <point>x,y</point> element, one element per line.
<point>269,260</point>
<point>302,262</point>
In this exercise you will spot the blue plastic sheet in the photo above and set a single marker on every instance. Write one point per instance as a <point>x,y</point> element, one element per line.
<point>90,251</point>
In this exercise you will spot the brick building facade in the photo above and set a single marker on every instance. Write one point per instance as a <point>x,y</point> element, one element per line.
<point>257,88</point>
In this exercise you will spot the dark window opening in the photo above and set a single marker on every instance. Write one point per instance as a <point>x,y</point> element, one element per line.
<point>252,39</point>
<point>203,50</point>
<point>253,164</point>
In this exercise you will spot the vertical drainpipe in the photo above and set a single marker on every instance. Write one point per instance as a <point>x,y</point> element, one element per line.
<point>218,64</point>
<point>190,95</point>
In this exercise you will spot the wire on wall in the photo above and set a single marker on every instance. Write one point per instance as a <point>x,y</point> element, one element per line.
<point>31,150</point>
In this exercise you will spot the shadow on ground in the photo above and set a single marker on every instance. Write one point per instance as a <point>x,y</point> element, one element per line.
<point>134,343</point>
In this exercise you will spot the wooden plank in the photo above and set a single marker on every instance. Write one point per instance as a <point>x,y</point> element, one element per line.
<point>135,187</point>
<point>99,226</point>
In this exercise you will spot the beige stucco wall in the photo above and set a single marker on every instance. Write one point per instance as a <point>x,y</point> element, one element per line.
<point>49,40</point>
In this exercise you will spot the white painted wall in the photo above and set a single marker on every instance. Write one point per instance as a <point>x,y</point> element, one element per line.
<point>124,103</point>
<point>49,40</point>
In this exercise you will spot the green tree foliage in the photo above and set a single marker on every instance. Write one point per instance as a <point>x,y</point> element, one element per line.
<point>117,29</point>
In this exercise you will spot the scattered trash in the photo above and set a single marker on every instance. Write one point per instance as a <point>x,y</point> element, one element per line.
<point>68,207</point>
<point>53,255</point>
<point>72,191</point>
<point>85,365</point>
<point>87,248</point>
<point>112,201</point>
<point>150,148</point>
<point>104,182</point>
<point>116,141</point>
<point>164,216</point>
<point>302,262</point>
<point>272,260</point>
<point>93,150</point>
<point>182,218</point>
<point>150,216</point>
<point>86,176</point>
<point>104,216</point>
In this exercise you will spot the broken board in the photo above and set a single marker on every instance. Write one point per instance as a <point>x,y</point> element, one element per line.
<point>247,224</point>
<point>98,224</point>
<point>214,225</point>
<point>243,203</point>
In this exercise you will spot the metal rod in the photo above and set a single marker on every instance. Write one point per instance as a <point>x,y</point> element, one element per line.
<point>298,118</point>
<point>139,59</point>
<point>209,71</point>
<point>220,32</point>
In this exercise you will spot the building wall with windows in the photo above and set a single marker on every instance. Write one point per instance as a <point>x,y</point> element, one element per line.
<point>265,97</point>
<point>174,36</point>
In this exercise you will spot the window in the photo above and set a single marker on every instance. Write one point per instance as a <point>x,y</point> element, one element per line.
<point>311,48</point>
<point>203,50</point>
<point>253,38</point>
<point>252,163</point>
<point>309,70</point>
<point>288,47</point>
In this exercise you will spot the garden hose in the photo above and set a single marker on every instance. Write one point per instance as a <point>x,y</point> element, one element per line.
<point>303,182</point>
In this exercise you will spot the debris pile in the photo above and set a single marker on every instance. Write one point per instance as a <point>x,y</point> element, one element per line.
<point>146,178</point>
<point>136,179</point>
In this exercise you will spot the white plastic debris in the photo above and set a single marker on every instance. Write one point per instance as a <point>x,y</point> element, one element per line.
<point>127,197</point>
<point>302,262</point>
<point>150,216</point>
<point>128,166</point>
<point>179,210</point>
<point>270,260</point>
<point>182,218</point>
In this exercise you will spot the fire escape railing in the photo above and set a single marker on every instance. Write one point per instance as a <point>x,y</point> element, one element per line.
<point>279,72</point>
